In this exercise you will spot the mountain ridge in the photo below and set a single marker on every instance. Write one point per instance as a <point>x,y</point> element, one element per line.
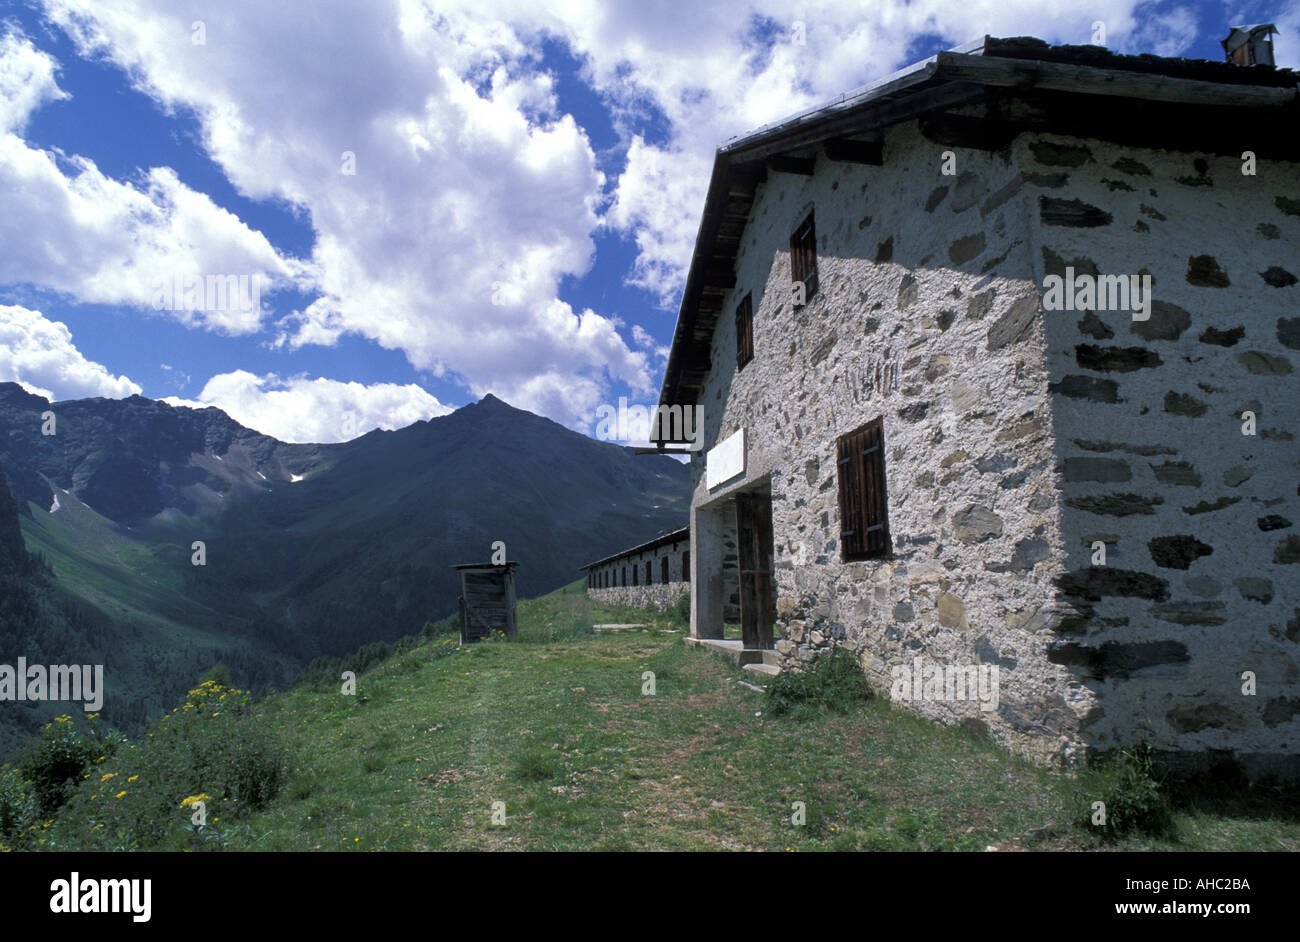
<point>201,540</point>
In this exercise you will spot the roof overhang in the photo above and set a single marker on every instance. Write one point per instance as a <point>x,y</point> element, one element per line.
<point>1183,104</point>
<point>664,539</point>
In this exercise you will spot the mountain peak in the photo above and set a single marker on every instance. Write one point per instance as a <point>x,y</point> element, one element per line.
<point>16,394</point>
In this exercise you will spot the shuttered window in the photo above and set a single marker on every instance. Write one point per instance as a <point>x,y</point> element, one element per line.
<point>663,570</point>
<point>864,516</point>
<point>803,257</point>
<point>686,566</point>
<point>745,331</point>
<point>634,573</point>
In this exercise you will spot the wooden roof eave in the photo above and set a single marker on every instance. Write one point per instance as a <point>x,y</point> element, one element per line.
<point>664,539</point>
<point>943,81</point>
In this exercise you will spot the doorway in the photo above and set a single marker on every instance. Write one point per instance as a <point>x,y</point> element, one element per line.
<point>757,583</point>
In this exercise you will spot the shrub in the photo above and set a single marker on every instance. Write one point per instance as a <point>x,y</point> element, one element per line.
<point>219,674</point>
<point>214,744</point>
<point>1134,798</point>
<point>17,804</point>
<point>444,626</point>
<point>834,683</point>
<point>55,762</point>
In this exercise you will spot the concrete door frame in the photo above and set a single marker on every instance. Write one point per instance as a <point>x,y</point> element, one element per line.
<point>712,521</point>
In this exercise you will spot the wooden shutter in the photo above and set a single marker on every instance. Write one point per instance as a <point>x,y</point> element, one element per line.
<point>745,331</point>
<point>803,256</point>
<point>686,566</point>
<point>864,516</point>
<point>663,571</point>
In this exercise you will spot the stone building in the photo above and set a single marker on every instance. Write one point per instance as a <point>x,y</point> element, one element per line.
<point>652,575</point>
<point>656,574</point>
<point>943,434</point>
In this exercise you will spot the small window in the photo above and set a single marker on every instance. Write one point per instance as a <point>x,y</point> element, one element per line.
<point>864,517</point>
<point>686,566</point>
<point>634,569</point>
<point>663,570</point>
<point>649,579</point>
<point>625,577</point>
<point>803,257</point>
<point>745,331</point>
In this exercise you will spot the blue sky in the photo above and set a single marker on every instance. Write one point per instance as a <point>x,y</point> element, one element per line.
<point>528,179</point>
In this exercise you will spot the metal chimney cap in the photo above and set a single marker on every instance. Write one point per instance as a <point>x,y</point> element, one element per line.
<point>1241,35</point>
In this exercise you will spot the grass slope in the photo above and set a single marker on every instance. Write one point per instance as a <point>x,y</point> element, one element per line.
<point>555,725</point>
<point>124,577</point>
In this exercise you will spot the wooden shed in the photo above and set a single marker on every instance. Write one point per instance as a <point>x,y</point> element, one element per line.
<point>487,600</point>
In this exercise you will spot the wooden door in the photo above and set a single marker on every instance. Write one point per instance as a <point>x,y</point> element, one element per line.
<point>757,587</point>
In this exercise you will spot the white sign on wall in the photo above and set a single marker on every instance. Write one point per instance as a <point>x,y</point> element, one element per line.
<point>725,460</point>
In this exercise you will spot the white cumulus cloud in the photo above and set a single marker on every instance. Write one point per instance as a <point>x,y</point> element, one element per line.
<point>38,353</point>
<point>474,197</point>
<point>68,227</point>
<point>299,409</point>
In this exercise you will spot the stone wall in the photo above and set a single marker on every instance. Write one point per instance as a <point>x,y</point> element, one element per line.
<point>620,567</point>
<point>678,579</point>
<point>659,597</point>
<point>1016,438</point>
<point>925,316</point>
<point>1202,574</point>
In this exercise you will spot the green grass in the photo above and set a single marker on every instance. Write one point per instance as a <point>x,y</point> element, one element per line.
<point>554,724</point>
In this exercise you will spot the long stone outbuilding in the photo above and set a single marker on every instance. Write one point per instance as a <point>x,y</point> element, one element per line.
<point>926,457</point>
<point>656,574</point>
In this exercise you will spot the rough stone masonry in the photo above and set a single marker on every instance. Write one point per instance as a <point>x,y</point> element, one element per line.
<point>1019,439</point>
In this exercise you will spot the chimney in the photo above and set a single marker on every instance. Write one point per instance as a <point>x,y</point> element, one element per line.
<point>1250,45</point>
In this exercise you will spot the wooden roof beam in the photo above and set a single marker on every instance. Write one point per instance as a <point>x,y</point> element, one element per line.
<point>787,164</point>
<point>849,150</point>
<point>958,130</point>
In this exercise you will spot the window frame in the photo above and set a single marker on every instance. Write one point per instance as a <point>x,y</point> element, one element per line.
<point>803,256</point>
<point>745,330</point>
<point>863,493</point>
